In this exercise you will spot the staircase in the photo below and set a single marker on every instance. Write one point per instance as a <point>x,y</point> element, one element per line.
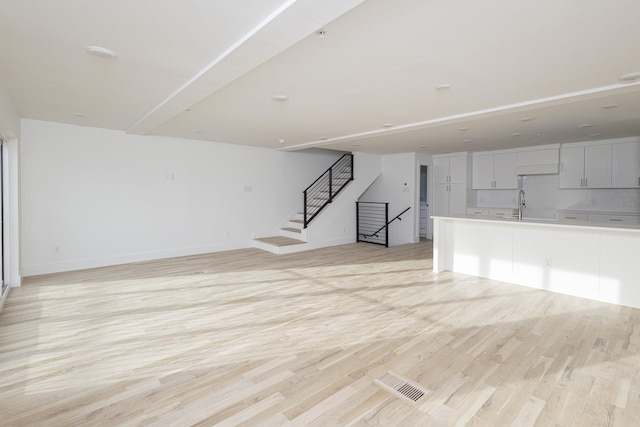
<point>292,235</point>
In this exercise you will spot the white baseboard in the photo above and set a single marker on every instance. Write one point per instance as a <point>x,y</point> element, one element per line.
<point>85,263</point>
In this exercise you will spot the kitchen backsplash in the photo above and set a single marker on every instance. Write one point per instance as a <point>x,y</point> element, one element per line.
<point>544,198</point>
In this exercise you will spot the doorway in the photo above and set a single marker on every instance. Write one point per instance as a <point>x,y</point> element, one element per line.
<point>424,203</point>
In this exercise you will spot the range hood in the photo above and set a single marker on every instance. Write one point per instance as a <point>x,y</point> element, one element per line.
<point>538,160</point>
<point>544,169</point>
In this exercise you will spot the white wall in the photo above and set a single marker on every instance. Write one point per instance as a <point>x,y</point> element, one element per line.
<point>94,197</point>
<point>544,198</point>
<point>397,186</point>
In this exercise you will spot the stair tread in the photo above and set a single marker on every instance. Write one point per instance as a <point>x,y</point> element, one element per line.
<point>280,241</point>
<point>293,230</point>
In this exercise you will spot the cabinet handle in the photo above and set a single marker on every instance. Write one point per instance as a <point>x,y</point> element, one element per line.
<point>570,217</point>
<point>639,181</point>
<point>586,182</point>
<point>615,219</point>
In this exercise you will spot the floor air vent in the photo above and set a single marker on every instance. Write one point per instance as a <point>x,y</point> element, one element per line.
<point>400,387</point>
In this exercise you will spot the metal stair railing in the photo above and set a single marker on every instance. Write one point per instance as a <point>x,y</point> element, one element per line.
<point>323,190</point>
<point>372,223</point>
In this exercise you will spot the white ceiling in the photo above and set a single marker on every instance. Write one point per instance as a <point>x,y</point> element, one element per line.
<point>207,69</point>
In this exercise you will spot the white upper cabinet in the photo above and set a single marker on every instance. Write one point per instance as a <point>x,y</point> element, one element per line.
<point>482,171</point>
<point>504,170</point>
<point>585,165</point>
<point>571,167</point>
<point>494,170</point>
<point>625,160</point>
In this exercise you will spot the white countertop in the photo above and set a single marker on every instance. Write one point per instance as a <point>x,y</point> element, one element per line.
<point>545,222</point>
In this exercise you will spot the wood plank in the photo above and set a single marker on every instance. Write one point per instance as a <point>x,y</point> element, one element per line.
<point>251,338</point>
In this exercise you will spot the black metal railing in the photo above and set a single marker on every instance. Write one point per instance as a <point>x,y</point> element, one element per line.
<point>319,194</point>
<point>372,222</point>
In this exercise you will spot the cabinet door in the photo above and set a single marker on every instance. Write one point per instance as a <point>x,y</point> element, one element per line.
<point>482,172</point>
<point>441,169</point>
<point>458,199</point>
<point>458,169</point>
<point>625,163</point>
<point>597,166</point>
<point>441,199</point>
<point>504,171</point>
<point>571,167</point>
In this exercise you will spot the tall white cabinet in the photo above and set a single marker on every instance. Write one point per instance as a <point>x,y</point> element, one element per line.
<point>450,174</point>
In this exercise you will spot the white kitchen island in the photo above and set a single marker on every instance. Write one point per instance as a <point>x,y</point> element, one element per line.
<point>596,262</point>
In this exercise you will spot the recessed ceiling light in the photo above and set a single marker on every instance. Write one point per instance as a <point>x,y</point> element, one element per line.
<point>280,98</point>
<point>321,33</point>
<point>610,106</point>
<point>387,125</point>
<point>490,146</point>
<point>527,119</point>
<point>197,131</point>
<point>595,135</point>
<point>468,140</point>
<point>443,86</point>
<point>355,145</point>
<point>281,141</point>
<point>423,146</point>
<point>101,52</point>
<point>534,141</point>
<point>630,77</point>
<point>323,138</point>
<point>585,125</point>
<point>80,115</point>
<point>463,129</point>
<point>516,134</point>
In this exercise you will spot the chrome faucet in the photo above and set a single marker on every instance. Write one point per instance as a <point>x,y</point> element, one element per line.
<point>521,204</point>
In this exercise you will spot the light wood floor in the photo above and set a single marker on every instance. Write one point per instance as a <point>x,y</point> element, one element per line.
<point>250,338</point>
